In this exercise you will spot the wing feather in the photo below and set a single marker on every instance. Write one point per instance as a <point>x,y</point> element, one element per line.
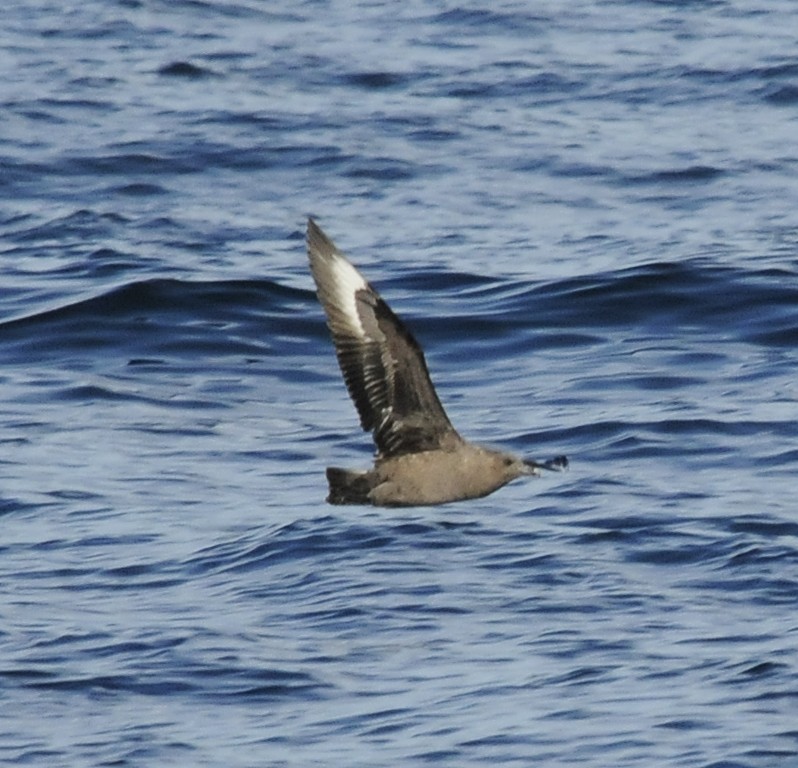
<point>382,363</point>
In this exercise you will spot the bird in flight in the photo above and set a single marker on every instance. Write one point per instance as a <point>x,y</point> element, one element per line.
<point>420,459</point>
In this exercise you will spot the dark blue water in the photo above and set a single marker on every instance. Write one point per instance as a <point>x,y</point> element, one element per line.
<point>590,220</point>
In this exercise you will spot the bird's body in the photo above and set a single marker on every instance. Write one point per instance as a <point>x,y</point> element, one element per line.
<point>421,459</point>
<point>464,471</point>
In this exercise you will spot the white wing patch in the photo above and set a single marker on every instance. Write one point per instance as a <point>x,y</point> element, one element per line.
<point>347,281</point>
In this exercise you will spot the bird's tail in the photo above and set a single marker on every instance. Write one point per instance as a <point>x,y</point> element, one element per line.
<point>348,486</point>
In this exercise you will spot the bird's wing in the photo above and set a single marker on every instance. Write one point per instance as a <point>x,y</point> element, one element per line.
<point>383,365</point>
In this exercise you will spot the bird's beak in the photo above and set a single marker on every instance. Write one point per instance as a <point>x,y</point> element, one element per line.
<point>557,464</point>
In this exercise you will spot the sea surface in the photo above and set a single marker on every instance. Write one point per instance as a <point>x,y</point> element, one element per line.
<point>588,214</point>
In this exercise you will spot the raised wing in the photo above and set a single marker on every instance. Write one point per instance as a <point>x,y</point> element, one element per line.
<point>382,363</point>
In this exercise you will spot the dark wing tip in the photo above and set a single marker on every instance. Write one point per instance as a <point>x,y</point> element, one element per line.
<point>317,240</point>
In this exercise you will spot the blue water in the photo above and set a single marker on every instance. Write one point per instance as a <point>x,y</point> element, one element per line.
<point>589,219</point>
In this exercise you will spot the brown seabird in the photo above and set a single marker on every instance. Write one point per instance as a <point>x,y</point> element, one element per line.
<point>421,459</point>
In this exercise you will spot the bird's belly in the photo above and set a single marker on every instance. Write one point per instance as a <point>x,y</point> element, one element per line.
<point>430,477</point>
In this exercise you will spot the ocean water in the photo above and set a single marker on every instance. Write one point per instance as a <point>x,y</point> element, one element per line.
<point>590,220</point>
